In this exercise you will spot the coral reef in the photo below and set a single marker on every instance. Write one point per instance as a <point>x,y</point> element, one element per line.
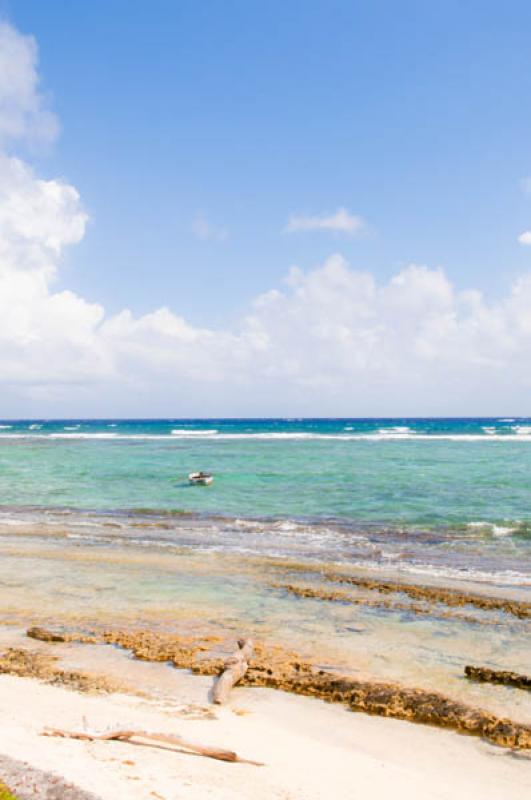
<point>32,664</point>
<point>450,597</point>
<point>504,677</point>
<point>277,668</point>
<point>340,596</point>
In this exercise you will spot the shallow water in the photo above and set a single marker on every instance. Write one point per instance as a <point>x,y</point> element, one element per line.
<point>407,472</point>
<point>57,581</point>
<point>446,496</point>
<point>99,526</point>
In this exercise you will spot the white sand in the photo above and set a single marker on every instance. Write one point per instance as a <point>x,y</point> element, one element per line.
<point>311,750</point>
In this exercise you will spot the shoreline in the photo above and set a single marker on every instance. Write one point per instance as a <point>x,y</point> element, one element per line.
<point>489,553</point>
<point>131,623</point>
<point>47,656</point>
<point>384,628</point>
<point>350,752</point>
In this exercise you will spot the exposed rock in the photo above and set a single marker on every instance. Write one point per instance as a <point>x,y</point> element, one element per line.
<point>27,663</point>
<point>486,675</point>
<point>390,700</point>
<point>434,594</point>
<point>45,635</point>
<point>182,651</point>
<point>34,664</point>
<point>340,596</point>
<point>450,597</point>
<point>278,668</point>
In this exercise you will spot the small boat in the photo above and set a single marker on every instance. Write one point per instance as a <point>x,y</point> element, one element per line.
<point>200,478</point>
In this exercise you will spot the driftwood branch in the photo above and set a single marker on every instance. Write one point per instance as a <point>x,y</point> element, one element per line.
<point>234,669</point>
<point>151,740</point>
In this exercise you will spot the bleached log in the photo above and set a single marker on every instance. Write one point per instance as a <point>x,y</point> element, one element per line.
<point>151,739</point>
<point>234,669</point>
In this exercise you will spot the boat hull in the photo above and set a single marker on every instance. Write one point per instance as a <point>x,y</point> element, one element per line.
<point>196,479</point>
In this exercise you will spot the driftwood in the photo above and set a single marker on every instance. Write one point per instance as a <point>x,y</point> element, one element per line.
<point>151,740</point>
<point>234,669</point>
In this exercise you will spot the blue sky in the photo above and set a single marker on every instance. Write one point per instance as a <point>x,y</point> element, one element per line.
<point>229,118</point>
<point>414,115</point>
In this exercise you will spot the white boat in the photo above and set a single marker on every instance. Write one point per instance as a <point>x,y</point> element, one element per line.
<point>200,478</point>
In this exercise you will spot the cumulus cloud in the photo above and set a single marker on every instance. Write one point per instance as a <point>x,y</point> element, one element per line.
<point>340,222</point>
<point>37,218</point>
<point>23,112</point>
<point>203,229</point>
<point>43,336</point>
<point>525,237</point>
<point>337,341</point>
<point>332,340</point>
<point>337,325</point>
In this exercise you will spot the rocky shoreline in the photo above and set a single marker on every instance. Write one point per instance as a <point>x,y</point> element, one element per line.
<point>273,667</point>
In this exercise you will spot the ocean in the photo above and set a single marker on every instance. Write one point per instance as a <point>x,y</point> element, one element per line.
<point>448,496</point>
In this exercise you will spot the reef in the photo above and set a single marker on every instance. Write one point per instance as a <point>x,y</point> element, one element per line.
<point>340,596</point>
<point>449,597</point>
<point>503,677</point>
<point>184,652</point>
<point>44,635</point>
<point>433,594</point>
<point>34,664</point>
<point>277,668</point>
<point>392,700</point>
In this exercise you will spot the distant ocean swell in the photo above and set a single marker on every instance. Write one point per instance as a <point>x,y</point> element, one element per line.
<point>521,435</point>
<point>495,429</point>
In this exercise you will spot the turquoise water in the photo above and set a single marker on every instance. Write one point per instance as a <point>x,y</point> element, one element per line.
<point>433,495</point>
<point>99,526</point>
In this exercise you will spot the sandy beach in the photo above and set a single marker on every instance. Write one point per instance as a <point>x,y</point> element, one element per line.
<point>310,750</point>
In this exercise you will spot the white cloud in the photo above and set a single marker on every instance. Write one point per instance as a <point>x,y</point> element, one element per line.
<point>43,336</point>
<point>204,229</point>
<point>333,341</point>
<point>37,218</point>
<point>340,222</point>
<point>23,113</point>
<point>525,237</point>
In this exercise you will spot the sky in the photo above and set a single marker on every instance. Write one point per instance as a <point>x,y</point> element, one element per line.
<point>265,209</point>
